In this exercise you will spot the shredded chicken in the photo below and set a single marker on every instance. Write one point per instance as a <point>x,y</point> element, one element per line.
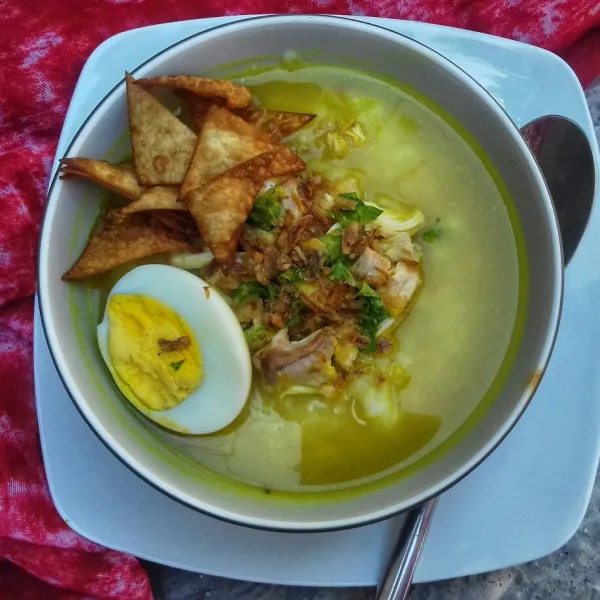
<point>402,248</point>
<point>372,267</point>
<point>307,361</point>
<point>404,282</point>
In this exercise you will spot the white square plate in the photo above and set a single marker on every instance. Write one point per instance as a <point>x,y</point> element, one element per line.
<point>523,502</point>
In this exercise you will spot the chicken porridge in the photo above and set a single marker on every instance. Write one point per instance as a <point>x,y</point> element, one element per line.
<point>364,247</point>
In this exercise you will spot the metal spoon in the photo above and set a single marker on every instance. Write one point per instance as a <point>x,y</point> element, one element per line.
<point>397,580</point>
<point>565,157</point>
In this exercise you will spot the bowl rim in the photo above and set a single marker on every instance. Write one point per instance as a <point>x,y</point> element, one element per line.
<point>469,465</point>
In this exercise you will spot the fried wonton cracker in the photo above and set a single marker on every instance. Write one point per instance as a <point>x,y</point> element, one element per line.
<point>158,197</point>
<point>224,203</point>
<point>118,178</point>
<point>278,124</point>
<point>119,239</point>
<point>236,96</point>
<point>225,140</point>
<point>162,144</point>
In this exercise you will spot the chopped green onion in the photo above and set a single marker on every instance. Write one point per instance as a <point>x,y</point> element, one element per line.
<point>267,209</point>
<point>372,315</point>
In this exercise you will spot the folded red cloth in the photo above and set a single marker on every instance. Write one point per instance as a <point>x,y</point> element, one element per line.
<point>43,46</point>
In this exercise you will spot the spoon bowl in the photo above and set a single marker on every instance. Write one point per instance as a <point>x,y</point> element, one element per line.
<point>565,158</point>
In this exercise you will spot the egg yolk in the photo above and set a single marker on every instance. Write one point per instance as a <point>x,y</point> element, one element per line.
<point>153,351</point>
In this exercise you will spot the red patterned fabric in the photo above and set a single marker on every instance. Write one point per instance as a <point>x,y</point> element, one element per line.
<point>43,46</point>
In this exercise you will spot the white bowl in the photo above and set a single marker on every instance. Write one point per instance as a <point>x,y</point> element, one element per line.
<point>68,220</point>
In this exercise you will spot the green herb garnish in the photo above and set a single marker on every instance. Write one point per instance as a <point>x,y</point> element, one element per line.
<point>333,243</point>
<point>293,320</point>
<point>253,289</point>
<point>430,235</point>
<point>366,291</point>
<point>340,272</point>
<point>177,365</point>
<point>267,209</point>
<point>362,213</point>
<point>292,275</point>
<point>372,315</point>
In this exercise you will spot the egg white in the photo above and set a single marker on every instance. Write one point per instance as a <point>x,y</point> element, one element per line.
<point>226,366</point>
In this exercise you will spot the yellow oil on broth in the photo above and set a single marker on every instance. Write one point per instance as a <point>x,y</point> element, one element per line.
<point>456,339</point>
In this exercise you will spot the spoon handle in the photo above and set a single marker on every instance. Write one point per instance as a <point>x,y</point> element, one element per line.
<point>398,577</point>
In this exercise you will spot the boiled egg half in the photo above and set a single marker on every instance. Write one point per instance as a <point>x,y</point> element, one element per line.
<point>175,349</point>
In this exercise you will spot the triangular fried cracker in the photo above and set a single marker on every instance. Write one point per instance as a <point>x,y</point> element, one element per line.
<point>225,140</point>
<point>118,178</point>
<point>159,197</point>
<point>224,203</point>
<point>236,96</point>
<point>119,239</point>
<point>283,162</point>
<point>278,124</point>
<point>162,144</point>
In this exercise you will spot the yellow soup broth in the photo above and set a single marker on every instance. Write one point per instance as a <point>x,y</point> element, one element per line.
<point>451,347</point>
